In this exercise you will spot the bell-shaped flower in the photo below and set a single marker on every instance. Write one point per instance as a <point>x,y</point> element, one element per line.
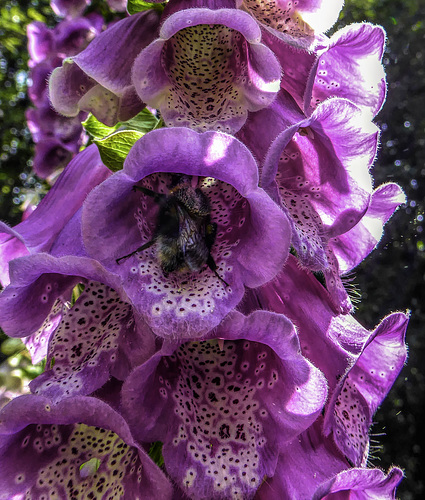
<point>72,36</point>
<point>186,227</point>
<point>356,244</point>
<point>98,337</point>
<point>298,23</point>
<point>40,42</point>
<point>207,69</point>
<point>311,467</point>
<point>347,65</point>
<point>318,168</point>
<point>38,232</point>
<point>225,406</point>
<point>360,366</point>
<point>78,448</point>
<point>98,79</point>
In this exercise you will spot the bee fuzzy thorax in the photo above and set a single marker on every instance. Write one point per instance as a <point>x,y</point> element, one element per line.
<point>184,233</point>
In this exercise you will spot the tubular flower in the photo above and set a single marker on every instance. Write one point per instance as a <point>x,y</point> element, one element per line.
<point>311,467</point>
<point>77,448</point>
<point>360,366</point>
<point>98,337</point>
<point>98,78</point>
<point>39,231</point>
<point>225,406</point>
<point>318,169</point>
<point>207,69</point>
<point>198,232</point>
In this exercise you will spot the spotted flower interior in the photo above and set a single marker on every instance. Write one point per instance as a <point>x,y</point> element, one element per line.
<point>205,64</point>
<point>190,291</point>
<point>279,15</point>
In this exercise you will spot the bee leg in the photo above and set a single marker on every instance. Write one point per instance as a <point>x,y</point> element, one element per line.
<point>213,266</point>
<point>140,249</point>
<point>156,196</point>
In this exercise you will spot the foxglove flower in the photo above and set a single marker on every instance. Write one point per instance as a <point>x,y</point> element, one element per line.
<point>360,366</point>
<point>318,167</point>
<point>349,65</point>
<point>311,467</point>
<point>98,79</point>
<point>57,138</point>
<point>207,69</point>
<point>252,233</point>
<point>99,337</point>
<point>78,448</point>
<point>225,406</point>
<point>298,23</point>
<point>361,484</point>
<point>38,232</point>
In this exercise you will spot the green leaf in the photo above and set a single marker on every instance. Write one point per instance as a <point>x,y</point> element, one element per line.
<point>97,129</point>
<point>155,452</point>
<point>115,148</point>
<point>134,6</point>
<point>144,122</point>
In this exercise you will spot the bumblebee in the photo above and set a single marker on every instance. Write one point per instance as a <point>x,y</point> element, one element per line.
<point>184,233</point>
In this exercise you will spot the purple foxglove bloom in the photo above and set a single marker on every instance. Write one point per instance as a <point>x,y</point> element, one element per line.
<point>40,42</point>
<point>98,79</point>
<point>69,8</point>
<point>52,154</point>
<point>225,406</point>
<point>360,365</point>
<point>346,65</point>
<point>318,168</point>
<point>39,231</point>
<point>99,337</point>
<point>294,22</point>
<point>312,467</point>
<point>43,122</point>
<point>78,448</point>
<point>207,69</point>
<point>233,225</point>
<point>361,484</point>
<point>39,74</point>
<point>349,65</point>
<point>72,36</point>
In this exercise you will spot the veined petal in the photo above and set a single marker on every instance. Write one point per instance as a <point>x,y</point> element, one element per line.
<point>365,386</point>
<point>352,247</point>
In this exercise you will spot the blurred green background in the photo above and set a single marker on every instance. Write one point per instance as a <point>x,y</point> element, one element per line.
<point>392,278</point>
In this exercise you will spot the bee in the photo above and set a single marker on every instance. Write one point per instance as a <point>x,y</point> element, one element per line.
<point>184,233</point>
